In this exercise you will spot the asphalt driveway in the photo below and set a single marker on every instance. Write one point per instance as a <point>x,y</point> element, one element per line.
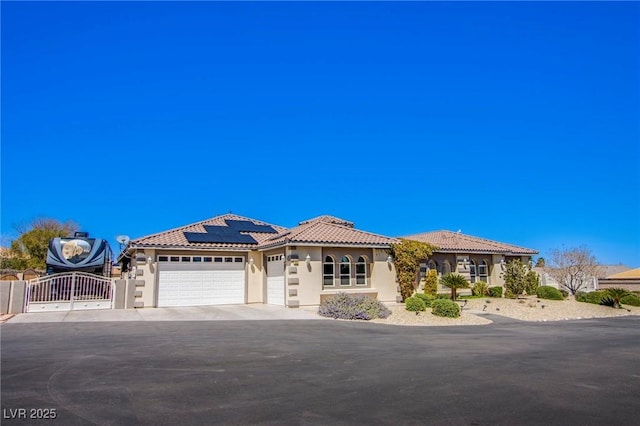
<point>583,372</point>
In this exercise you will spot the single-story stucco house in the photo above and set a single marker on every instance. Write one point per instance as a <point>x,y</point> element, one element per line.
<point>478,259</point>
<point>230,259</point>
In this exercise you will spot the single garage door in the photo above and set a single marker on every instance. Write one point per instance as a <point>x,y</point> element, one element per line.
<point>275,279</point>
<point>200,280</point>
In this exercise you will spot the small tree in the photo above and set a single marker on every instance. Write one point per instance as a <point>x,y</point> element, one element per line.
<point>454,281</point>
<point>573,268</point>
<point>531,281</point>
<point>517,279</point>
<point>431,282</point>
<point>29,250</point>
<point>407,255</point>
<point>612,297</point>
<point>540,263</point>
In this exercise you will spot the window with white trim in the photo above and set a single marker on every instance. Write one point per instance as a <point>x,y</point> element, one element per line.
<point>345,271</point>
<point>361,271</point>
<point>328,272</point>
<point>473,271</point>
<point>483,271</point>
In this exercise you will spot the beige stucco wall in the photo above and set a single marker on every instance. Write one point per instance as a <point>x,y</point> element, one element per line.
<point>255,277</point>
<point>309,276</point>
<point>309,290</point>
<point>146,294</point>
<point>383,277</point>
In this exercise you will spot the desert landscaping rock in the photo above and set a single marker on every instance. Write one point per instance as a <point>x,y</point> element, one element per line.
<point>530,309</point>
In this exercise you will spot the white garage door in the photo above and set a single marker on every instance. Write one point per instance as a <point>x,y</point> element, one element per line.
<point>198,280</point>
<point>275,279</point>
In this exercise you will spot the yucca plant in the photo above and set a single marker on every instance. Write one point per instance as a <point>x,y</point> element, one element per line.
<point>612,297</point>
<point>454,281</point>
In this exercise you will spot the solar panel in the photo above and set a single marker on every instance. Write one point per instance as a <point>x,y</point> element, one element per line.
<point>213,229</point>
<point>228,238</point>
<point>230,234</point>
<point>248,226</point>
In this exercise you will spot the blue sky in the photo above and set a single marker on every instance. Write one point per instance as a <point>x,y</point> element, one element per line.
<point>517,122</point>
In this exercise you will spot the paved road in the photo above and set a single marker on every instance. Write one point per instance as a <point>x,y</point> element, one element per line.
<point>583,372</point>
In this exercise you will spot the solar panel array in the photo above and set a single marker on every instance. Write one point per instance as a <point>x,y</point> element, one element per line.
<point>248,226</point>
<point>230,234</point>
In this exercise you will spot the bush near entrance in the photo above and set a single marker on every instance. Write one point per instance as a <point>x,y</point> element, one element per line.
<point>550,293</point>
<point>495,291</point>
<point>445,308</point>
<point>355,307</point>
<point>414,304</point>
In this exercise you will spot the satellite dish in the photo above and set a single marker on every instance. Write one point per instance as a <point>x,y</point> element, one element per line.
<point>123,240</point>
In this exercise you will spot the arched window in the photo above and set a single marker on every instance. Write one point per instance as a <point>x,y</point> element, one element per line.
<point>433,266</point>
<point>473,271</point>
<point>361,271</point>
<point>446,267</point>
<point>345,271</point>
<point>328,272</point>
<point>483,271</point>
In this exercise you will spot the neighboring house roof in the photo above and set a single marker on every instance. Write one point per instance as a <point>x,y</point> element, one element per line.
<point>176,237</point>
<point>455,242</point>
<point>605,271</point>
<point>328,230</point>
<point>630,274</point>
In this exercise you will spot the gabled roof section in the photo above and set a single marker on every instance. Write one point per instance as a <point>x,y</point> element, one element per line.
<point>328,219</point>
<point>320,231</point>
<point>176,237</point>
<point>629,274</point>
<point>450,242</point>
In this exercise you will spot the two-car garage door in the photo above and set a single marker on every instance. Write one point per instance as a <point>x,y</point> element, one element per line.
<point>195,280</point>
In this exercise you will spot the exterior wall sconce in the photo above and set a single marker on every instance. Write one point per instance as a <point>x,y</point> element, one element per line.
<point>149,260</point>
<point>308,259</point>
<point>503,264</point>
<point>251,261</point>
<point>389,259</point>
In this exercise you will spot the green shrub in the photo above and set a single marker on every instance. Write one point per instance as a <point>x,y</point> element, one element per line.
<point>446,296</point>
<point>495,291</point>
<point>347,306</point>
<point>607,301</point>
<point>564,293</point>
<point>445,308</point>
<point>480,289</point>
<point>615,294</point>
<point>532,282</point>
<point>431,282</point>
<point>592,297</point>
<point>426,298</point>
<point>631,299</point>
<point>548,292</point>
<point>414,304</point>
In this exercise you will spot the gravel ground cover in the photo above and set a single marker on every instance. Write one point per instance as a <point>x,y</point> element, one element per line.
<point>529,309</point>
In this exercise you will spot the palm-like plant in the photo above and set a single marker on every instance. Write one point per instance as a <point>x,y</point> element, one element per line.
<point>612,297</point>
<point>454,281</point>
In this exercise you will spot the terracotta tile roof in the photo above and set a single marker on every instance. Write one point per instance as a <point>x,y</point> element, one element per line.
<point>175,237</point>
<point>329,219</point>
<point>448,241</point>
<point>322,231</point>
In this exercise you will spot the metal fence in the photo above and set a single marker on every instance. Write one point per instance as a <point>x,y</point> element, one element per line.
<point>68,291</point>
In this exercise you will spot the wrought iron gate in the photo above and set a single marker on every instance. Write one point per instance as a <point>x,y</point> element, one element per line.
<point>69,291</point>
